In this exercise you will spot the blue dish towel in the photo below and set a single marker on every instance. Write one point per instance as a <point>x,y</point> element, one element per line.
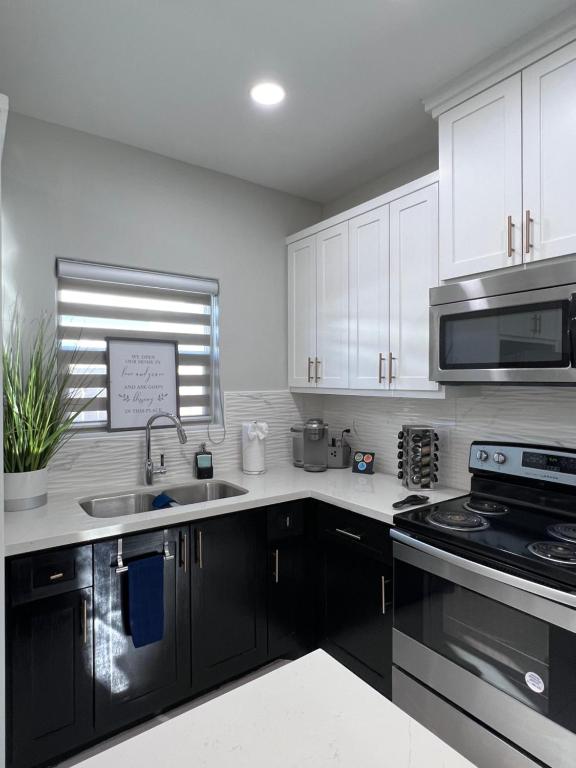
<point>146,600</point>
<point>163,501</point>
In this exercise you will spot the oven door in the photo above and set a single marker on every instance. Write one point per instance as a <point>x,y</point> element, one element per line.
<point>515,338</point>
<point>499,647</point>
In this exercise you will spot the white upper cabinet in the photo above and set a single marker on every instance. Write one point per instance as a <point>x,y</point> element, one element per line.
<point>302,312</point>
<point>358,296</point>
<point>369,275</point>
<point>549,124</point>
<point>331,365</point>
<point>480,153</point>
<point>413,271</point>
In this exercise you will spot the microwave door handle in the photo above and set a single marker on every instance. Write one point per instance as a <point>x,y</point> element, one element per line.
<point>572,329</point>
<point>541,590</point>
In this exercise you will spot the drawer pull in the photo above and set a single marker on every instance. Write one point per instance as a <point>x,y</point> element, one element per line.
<point>57,576</point>
<point>384,582</point>
<point>349,533</point>
<point>276,564</point>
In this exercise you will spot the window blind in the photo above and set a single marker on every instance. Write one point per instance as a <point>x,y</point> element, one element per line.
<point>96,301</point>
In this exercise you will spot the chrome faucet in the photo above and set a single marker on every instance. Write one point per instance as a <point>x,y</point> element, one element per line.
<point>149,465</point>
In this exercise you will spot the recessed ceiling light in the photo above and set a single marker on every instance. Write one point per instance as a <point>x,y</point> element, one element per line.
<point>268,94</point>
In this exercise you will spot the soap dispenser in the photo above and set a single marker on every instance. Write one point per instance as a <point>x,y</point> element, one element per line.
<point>203,467</point>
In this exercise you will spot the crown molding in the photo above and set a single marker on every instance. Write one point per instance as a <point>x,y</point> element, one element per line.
<point>369,205</point>
<point>549,37</point>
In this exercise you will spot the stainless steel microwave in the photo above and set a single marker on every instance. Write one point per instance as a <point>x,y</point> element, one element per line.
<point>510,328</point>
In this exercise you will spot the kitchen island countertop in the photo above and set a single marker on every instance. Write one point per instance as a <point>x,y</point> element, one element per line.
<point>310,713</point>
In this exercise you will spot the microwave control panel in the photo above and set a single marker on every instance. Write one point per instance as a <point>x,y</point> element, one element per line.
<point>525,461</point>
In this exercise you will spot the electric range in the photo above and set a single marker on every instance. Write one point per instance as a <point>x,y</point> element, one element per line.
<point>485,609</point>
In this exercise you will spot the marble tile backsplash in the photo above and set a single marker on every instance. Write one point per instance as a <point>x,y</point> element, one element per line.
<point>115,461</point>
<point>544,415</point>
<point>528,414</point>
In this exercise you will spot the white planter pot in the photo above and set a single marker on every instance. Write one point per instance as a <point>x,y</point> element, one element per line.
<point>25,490</point>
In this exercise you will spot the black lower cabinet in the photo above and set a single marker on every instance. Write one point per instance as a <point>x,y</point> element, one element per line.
<point>49,678</point>
<point>290,584</point>
<point>239,590</point>
<point>134,683</point>
<point>228,597</point>
<point>356,594</point>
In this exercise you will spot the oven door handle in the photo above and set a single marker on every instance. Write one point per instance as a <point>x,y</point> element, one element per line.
<point>541,590</point>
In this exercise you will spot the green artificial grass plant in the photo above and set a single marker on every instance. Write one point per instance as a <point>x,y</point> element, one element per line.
<point>40,402</point>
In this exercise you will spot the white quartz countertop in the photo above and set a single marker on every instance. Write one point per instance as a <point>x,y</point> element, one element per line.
<point>311,713</point>
<point>62,521</point>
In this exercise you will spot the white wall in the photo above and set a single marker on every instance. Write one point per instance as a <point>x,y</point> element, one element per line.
<point>396,177</point>
<point>70,194</point>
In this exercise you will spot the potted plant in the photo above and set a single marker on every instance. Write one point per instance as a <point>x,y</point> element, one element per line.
<point>40,407</point>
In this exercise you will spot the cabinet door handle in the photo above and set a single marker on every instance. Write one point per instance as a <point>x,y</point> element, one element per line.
<point>317,368</point>
<point>276,564</point>
<point>390,359</point>
<point>84,622</point>
<point>384,581</point>
<point>510,227</point>
<point>184,551</point>
<point>200,552</point>
<point>349,533</point>
<point>310,376</point>
<point>527,221</point>
<point>380,372</point>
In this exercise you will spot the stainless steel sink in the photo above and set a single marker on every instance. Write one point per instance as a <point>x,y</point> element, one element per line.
<point>209,490</point>
<point>135,503</point>
<point>115,506</point>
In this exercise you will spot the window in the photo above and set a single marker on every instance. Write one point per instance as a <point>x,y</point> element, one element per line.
<point>96,301</point>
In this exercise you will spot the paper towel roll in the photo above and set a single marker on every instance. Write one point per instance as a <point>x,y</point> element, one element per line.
<point>254,447</point>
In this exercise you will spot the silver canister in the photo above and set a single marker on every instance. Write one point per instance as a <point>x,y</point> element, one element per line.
<point>297,434</point>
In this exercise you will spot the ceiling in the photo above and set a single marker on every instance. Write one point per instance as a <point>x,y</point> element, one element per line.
<point>172,76</point>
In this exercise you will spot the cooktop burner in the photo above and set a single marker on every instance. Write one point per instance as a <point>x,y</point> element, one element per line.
<point>563,531</point>
<point>457,520</point>
<point>486,507</point>
<point>555,551</point>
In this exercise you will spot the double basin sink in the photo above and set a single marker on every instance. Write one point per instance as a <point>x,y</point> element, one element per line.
<point>142,501</point>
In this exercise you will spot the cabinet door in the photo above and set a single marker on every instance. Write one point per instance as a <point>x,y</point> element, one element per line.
<point>228,597</point>
<point>549,125</point>
<point>413,271</point>
<point>357,612</point>
<point>50,707</point>
<point>480,148</point>
<point>134,683</point>
<point>332,307</point>
<point>302,312</point>
<point>369,299</point>
<point>289,599</point>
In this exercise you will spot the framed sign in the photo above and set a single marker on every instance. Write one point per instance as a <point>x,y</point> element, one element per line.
<point>142,380</point>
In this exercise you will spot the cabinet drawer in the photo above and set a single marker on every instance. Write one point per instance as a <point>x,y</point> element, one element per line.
<point>355,530</point>
<point>49,573</point>
<point>285,521</point>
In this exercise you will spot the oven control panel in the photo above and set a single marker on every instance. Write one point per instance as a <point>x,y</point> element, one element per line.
<point>527,461</point>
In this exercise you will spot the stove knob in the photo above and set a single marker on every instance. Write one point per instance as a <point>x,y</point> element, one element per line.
<point>499,458</point>
<point>483,456</point>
